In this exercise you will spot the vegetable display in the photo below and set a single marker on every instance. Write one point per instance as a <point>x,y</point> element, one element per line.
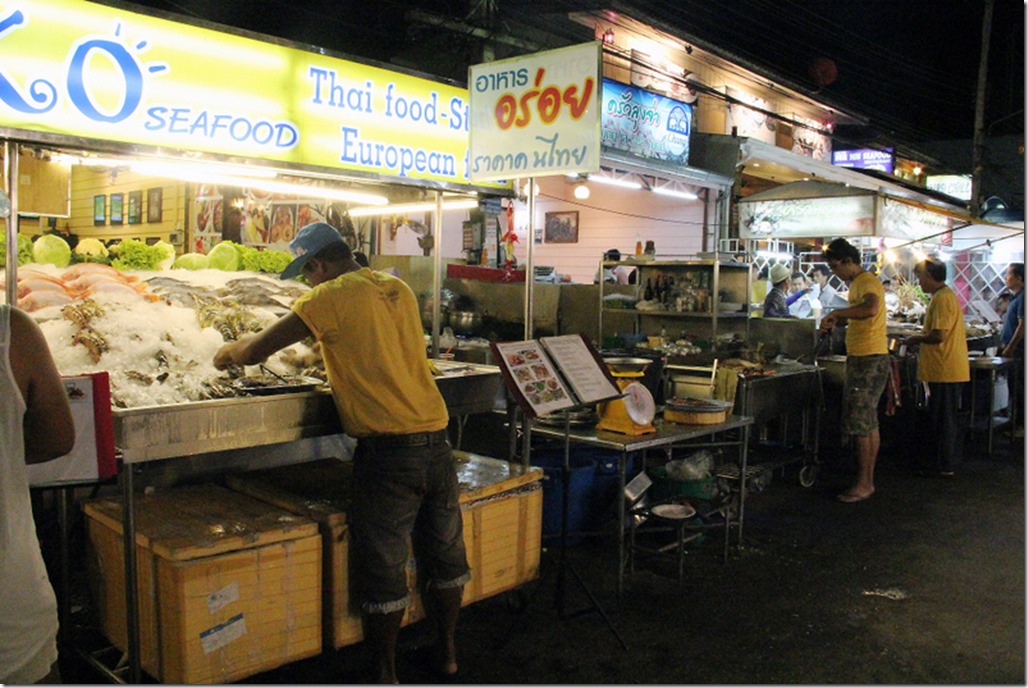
<point>90,250</point>
<point>24,250</point>
<point>224,256</point>
<point>191,261</point>
<point>51,249</point>
<point>268,260</point>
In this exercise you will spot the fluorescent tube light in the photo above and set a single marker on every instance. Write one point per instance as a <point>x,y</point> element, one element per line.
<point>200,174</point>
<point>665,191</point>
<point>182,170</point>
<point>244,176</point>
<point>611,181</point>
<point>404,208</point>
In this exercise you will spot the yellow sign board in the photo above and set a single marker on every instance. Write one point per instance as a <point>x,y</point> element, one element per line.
<point>80,69</point>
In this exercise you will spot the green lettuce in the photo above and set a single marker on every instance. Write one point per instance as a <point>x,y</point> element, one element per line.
<point>24,250</point>
<point>191,261</point>
<point>133,254</point>
<point>51,249</point>
<point>224,256</point>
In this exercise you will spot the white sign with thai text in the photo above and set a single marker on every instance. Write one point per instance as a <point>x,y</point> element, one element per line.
<point>536,115</point>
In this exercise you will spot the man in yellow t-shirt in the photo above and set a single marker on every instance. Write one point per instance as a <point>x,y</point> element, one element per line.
<point>867,360</point>
<point>942,362</point>
<point>404,481</point>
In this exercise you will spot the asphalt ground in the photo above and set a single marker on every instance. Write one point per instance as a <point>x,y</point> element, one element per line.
<point>924,583</point>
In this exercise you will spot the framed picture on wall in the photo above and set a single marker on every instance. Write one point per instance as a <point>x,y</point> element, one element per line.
<point>117,209</point>
<point>561,227</point>
<point>154,198</point>
<point>135,207</point>
<point>100,209</point>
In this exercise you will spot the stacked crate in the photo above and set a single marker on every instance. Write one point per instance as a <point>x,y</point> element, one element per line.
<point>502,513</point>
<point>228,586</point>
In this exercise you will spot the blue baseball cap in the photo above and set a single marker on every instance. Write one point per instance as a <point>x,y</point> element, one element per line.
<point>309,240</point>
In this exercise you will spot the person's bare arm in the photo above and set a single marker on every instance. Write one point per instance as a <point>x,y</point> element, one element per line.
<point>48,425</point>
<point>287,330</point>
<point>867,308</point>
<point>930,337</point>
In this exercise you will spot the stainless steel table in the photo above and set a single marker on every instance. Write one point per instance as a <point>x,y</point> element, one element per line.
<point>992,365</point>
<point>667,436</point>
<point>791,391</point>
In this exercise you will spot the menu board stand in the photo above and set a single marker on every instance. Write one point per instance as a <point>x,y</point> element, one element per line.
<point>557,375</point>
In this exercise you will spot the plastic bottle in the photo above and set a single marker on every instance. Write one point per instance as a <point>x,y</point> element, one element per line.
<point>638,248</point>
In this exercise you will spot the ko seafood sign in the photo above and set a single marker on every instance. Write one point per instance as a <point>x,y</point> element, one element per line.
<point>74,68</point>
<point>536,115</point>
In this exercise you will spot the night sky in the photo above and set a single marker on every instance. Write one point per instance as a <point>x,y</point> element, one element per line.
<point>909,66</point>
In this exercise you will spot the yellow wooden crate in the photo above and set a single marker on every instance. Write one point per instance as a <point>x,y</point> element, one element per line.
<point>228,586</point>
<point>502,515</point>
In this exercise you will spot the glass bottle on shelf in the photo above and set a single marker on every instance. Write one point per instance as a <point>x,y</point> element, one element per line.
<point>648,293</point>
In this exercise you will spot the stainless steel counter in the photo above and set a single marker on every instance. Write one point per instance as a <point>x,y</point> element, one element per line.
<point>152,433</point>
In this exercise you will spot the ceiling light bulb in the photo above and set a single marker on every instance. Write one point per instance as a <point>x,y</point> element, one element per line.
<point>581,192</point>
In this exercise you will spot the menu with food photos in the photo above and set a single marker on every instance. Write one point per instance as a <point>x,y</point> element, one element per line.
<point>554,373</point>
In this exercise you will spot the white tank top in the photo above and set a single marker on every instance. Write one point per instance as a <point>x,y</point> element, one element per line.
<point>28,607</point>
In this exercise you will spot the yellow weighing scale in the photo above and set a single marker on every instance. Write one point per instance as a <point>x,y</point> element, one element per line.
<point>633,413</point>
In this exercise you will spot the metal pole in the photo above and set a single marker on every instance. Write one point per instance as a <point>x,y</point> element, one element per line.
<point>131,593</point>
<point>11,235</point>
<point>529,264</point>
<point>437,265</point>
<point>979,113</point>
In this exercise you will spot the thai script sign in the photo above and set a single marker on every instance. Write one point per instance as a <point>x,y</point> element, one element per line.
<point>645,124</point>
<point>863,214</point>
<point>79,69</point>
<point>956,185</point>
<point>865,159</point>
<point>536,115</point>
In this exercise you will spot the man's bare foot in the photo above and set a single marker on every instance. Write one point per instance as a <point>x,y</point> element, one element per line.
<point>854,495</point>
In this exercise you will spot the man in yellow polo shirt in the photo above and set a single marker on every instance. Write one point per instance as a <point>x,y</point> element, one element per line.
<point>942,362</point>
<point>405,482</point>
<point>867,360</point>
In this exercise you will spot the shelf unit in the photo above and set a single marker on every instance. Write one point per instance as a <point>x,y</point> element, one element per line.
<point>698,321</point>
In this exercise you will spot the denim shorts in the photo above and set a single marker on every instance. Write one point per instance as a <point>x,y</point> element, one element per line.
<point>405,497</point>
<point>865,381</point>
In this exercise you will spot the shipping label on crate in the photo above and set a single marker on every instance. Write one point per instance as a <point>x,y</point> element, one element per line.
<point>215,638</point>
<point>220,598</point>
